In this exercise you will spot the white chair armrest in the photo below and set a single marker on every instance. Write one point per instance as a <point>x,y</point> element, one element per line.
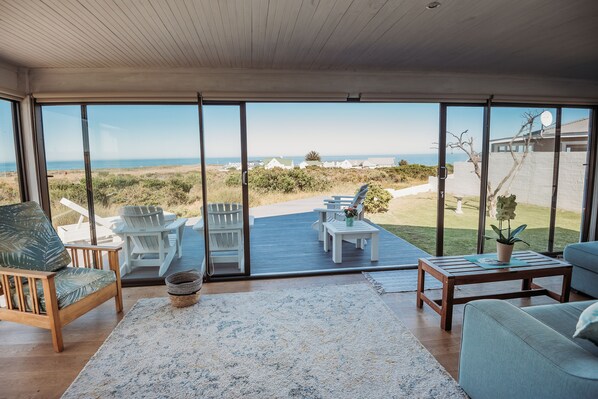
<point>176,224</point>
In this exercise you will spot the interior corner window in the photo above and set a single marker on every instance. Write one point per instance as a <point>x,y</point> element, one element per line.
<point>9,176</point>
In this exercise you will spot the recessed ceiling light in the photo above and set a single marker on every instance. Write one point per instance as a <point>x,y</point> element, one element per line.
<point>433,5</point>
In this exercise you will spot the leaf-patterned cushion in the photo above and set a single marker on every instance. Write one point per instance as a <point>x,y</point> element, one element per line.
<point>28,240</point>
<point>72,285</point>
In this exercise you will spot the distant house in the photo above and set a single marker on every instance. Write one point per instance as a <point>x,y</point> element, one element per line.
<point>368,165</point>
<point>382,162</point>
<point>346,164</point>
<point>271,163</point>
<point>574,138</point>
<point>305,164</point>
<point>356,163</point>
<point>329,164</point>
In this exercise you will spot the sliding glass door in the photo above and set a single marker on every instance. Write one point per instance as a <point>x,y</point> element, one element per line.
<point>63,142</point>
<point>301,154</point>
<point>573,158</point>
<point>225,219</point>
<point>461,202</point>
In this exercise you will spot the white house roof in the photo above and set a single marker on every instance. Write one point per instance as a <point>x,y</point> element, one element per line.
<point>575,129</point>
<point>382,161</point>
<point>282,161</point>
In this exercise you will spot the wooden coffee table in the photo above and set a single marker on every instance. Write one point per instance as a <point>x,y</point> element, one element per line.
<point>455,270</point>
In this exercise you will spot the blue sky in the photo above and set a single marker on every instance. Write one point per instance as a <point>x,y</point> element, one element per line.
<point>274,129</point>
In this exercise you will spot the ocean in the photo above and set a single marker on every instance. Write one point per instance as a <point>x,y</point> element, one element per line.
<point>422,159</point>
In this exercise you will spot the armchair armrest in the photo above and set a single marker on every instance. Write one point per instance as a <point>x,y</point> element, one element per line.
<point>8,271</point>
<point>505,352</point>
<point>94,247</point>
<point>92,256</point>
<point>12,286</point>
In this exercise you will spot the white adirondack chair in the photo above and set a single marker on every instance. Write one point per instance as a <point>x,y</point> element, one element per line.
<point>79,232</point>
<point>148,239</point>
<point>334,206</point>
<point>225,226</point>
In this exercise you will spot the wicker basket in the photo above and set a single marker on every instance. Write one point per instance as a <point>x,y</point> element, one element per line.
<point>184,288</point>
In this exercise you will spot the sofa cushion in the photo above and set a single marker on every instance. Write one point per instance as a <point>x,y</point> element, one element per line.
<point>72,285</point>
<point>583,254</point>
<point>563,318</point>
<point>28,240</point>
<point>587,326</point>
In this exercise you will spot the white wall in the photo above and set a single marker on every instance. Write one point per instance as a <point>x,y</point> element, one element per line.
<point>12,81</point>
<point>373,85</point>
<point>532,184</point>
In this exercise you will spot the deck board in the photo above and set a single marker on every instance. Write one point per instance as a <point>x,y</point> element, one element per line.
<point>286,244</point>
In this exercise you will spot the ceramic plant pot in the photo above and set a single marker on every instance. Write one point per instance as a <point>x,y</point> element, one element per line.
<point>504,252</point>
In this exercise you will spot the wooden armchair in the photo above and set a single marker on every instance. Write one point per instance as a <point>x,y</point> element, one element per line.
<point>23,304</point>
<point>46,284</point>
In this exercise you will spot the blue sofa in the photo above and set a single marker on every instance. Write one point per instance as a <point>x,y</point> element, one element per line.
<point>508,352</point>
<point>584,258</point>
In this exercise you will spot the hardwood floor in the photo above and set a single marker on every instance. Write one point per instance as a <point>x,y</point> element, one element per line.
<point>31,369</point>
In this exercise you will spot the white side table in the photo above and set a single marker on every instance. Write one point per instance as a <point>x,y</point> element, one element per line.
<point>359,231</point>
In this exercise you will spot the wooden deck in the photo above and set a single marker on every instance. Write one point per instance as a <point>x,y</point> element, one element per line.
<point>287,244</point>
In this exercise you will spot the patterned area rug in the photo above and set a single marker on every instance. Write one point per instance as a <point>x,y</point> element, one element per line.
<point>399,281</point>
<point>325,342</point>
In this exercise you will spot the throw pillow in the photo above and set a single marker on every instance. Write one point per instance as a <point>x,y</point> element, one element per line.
<point>587,326</point>
<point>28,240</point>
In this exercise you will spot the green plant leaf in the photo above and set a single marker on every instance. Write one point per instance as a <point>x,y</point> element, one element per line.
<point>518,230</point>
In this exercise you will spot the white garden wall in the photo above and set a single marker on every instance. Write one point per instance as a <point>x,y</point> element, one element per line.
<point>533,182</point>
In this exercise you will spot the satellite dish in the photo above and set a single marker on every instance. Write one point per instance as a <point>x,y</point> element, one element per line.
<point>546,118</point>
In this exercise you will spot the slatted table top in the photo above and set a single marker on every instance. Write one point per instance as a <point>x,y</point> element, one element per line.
<point>458,266</point>
<point>359,226</point>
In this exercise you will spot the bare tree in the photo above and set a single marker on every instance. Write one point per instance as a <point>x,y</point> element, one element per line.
<point>465,143</point>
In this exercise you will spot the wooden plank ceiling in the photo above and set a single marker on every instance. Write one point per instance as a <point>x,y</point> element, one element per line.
<point>531,37</point>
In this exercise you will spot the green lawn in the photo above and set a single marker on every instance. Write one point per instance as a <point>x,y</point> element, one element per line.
<point>413,218</point>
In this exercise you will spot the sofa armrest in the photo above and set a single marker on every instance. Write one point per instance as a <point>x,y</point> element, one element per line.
<point>505,352</point>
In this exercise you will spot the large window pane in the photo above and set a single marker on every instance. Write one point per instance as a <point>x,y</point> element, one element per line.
<point>222,140</point>
<point>464,160</point>
<point>572,171</point>
<point>63,142</point>
<point>301,153</point>
<point>521,163</point>
<point>147,155</point>
<point>9,177</point>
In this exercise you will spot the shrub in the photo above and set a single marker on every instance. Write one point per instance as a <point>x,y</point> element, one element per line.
<point>280,180</point>
<point>377,199</point>
<point>403,162</point>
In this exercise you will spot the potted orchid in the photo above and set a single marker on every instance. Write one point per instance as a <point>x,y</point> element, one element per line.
<point>350,215</point>
<point>506,237</point>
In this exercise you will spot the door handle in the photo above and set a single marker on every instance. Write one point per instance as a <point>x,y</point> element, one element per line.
<point>444,175</point>
<point>244,178</point>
